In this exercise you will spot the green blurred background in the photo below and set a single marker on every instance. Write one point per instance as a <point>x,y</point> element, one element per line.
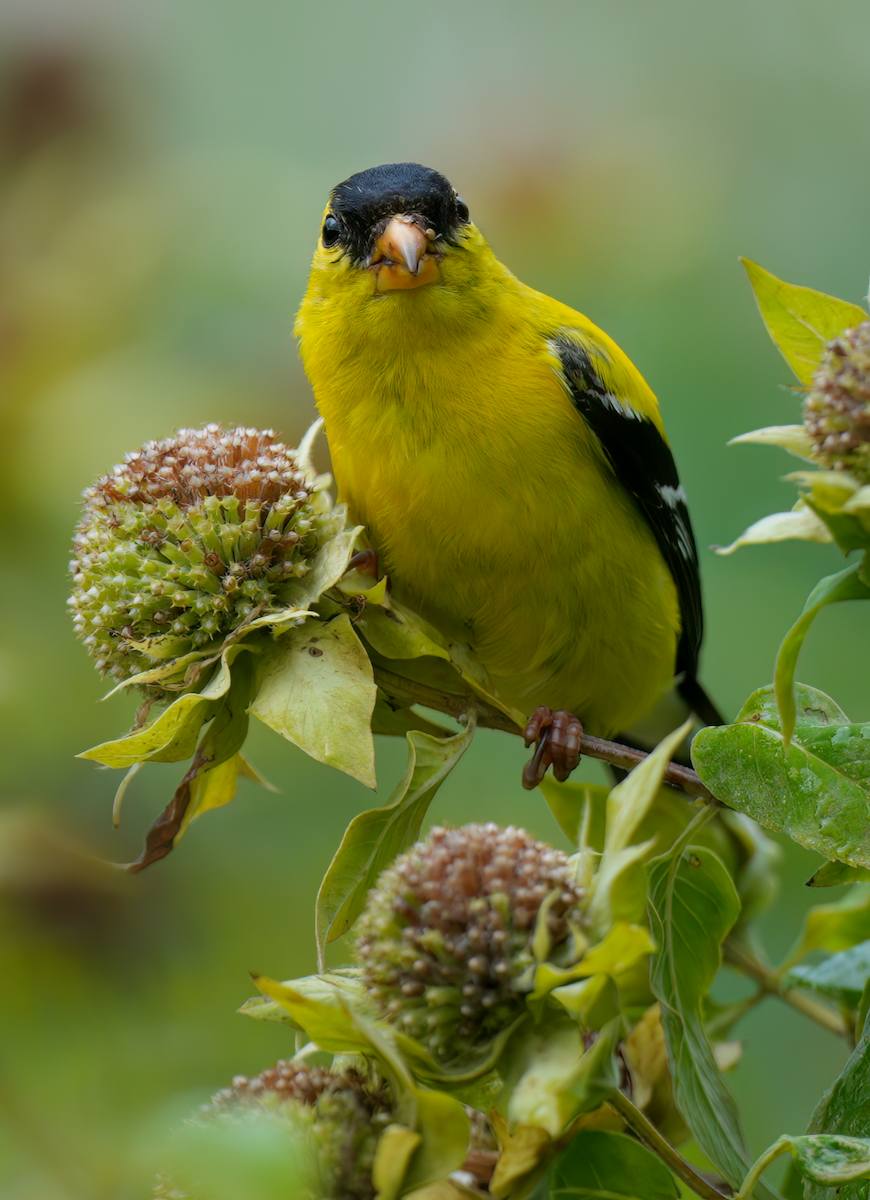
<point>163,168</point>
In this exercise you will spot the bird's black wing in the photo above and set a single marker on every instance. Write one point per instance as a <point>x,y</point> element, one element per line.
<point>642,462</point>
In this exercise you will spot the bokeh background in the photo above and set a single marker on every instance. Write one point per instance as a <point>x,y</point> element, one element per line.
<point>163,168</point>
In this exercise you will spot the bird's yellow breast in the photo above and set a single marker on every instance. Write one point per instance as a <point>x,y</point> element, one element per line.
<point>491,506</point>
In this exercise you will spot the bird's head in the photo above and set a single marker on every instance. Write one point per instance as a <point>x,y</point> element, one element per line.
<point>395,228</point>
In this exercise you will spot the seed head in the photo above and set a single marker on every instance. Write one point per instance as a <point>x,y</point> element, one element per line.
<point>837,409</point>
<point>445,941</point>
<point>186,540</point>
<point>340,1115</point>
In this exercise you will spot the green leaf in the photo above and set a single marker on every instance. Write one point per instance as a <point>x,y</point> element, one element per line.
<point>618,888</point>
<point>594,1001</point>
<point>397,632</point>
<point>844,1110</point>
<point>830,1159</point>
<point>842,976</point>
<point>444,1128</point>
<point>693,905</point>
<point>862,1011</point>
<point>756,871</point>
<point>600,1165</point>
<point>478,1077</point>
<point>374,838</point>
<point>816,789</point>
<point>832,874</point>
<point>846,585</point>
<point>823,1158</point>
<point>575,805</point>
<point>393,719</point>
<point>838,500</point>
<point>617,891</point>
<point>317,690</point>
<point>631,800</point>
<point>560,1078</point>
<point>835,926</point>
<point>799,320</point>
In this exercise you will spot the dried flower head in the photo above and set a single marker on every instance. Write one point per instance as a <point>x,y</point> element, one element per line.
<point>837,409</point>
<point>445,941</point>
<point>338,1115</point>
<point>185,541</point>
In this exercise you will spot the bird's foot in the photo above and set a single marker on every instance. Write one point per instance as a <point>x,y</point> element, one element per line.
<point>557,741</point>
<point>364,561</point>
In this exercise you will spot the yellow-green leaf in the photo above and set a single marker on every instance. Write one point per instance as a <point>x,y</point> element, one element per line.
<point>397,632</point>
<point>444,1130</point>
<point>392,719</point>
<point>328,564</point>
<point>793,438</point>
<point>563,1079</point>
<point>331,1027</point>
<point>173,735</point>
<point>835,926</point>
<point>574,804</point>
<point>630,800</point>
<point>620,949</point>
<point>396,1146</point>
<point>799,320</point>
<point>212,789</point>
<point>801,523</point>
<point>317,690</point>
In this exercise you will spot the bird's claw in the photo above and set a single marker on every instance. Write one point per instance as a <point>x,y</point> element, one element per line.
<point>557,742</point>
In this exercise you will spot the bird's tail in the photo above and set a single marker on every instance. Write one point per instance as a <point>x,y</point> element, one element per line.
<point>699,702</point>
<point>688,697</point>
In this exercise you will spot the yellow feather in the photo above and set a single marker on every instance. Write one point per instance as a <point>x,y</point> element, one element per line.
<point>492,508</point>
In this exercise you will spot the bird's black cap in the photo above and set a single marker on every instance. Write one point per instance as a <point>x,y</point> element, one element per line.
<point>365,202</point>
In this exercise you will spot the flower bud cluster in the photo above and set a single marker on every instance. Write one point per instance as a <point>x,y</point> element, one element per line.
<point>445,941</point>
<point>186,540</point>
<point>837,408</point>
<point>347,1115</point>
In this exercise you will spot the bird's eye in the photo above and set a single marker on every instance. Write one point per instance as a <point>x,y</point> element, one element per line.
<point>461,209</point>
<point>331,231</point>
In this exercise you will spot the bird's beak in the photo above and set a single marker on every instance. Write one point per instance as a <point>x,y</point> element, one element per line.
<point>402,256</point>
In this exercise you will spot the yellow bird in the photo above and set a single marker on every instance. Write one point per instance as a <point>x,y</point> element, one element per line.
<point>507,460</point>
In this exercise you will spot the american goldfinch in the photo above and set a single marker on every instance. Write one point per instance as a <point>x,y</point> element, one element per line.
<point>507,461</point>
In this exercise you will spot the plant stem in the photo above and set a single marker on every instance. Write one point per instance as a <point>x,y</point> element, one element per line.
<point>651,1138</point>
<point>770,983</point>
<point>455,704</point>
<point>779,1147</point>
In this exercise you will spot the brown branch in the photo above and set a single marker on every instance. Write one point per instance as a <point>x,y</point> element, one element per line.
<point>456,704</point>
<point>770,985</point>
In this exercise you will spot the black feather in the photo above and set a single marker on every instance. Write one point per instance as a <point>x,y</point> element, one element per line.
<point>364,203</point>
<point>642,462</point>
